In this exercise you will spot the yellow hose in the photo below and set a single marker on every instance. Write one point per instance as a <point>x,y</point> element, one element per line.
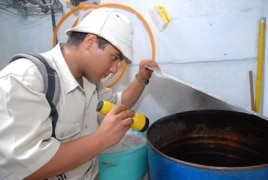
<point>124,7</point>
<point>260,59</point>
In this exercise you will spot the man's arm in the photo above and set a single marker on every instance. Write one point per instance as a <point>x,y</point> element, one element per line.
<point>74,153</point>
<point>136,87</point>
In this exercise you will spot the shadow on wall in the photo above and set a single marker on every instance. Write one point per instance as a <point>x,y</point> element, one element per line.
<point>166,96</point>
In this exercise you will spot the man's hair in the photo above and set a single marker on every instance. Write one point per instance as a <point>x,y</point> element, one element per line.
<point>76,38</point>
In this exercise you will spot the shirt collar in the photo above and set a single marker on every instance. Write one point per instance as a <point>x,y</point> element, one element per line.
<point>68,80</point>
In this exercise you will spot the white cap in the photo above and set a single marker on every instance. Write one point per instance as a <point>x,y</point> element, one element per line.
<point>110,25</point>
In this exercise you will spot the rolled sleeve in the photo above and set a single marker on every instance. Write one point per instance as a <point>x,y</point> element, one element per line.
<point>109,95</point>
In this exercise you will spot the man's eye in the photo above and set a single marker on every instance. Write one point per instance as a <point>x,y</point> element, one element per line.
<point>115,58</point>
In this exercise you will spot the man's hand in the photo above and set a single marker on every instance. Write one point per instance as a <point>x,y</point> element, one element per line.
<point>115,124</point>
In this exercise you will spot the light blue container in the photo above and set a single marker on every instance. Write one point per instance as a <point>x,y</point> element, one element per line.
<point>130,164</point>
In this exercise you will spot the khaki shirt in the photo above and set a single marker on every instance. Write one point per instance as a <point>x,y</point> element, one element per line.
<point>25,131</point>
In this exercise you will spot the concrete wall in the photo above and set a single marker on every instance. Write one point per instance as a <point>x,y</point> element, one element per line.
<point>210,44</point>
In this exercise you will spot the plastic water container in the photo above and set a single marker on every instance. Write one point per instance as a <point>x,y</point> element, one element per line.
<point>127,160</point>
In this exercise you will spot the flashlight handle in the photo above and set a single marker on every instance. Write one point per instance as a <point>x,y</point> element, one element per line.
<point>140,123</point>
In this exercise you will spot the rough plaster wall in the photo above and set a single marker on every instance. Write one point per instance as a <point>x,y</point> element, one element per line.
<point>210,44</point>
<point>265,94</point>
<point>19,35</point>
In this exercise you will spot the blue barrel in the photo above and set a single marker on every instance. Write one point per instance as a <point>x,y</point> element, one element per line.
<point>164,168</point>
<point>208,145</point>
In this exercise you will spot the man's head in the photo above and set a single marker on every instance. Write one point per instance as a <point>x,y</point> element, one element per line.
<point>110,25</point>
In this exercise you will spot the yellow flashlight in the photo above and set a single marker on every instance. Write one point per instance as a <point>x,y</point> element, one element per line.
<point>140,123</point>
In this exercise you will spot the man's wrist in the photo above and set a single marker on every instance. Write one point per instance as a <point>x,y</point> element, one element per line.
<point>143,82</point>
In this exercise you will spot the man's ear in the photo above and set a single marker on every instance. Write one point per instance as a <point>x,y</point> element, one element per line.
<point>89,40</point>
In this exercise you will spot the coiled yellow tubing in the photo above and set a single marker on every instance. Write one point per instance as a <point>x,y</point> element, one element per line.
<point>82,7</point>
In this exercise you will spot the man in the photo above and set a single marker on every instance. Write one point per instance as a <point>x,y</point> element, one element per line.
<point>101,40</point>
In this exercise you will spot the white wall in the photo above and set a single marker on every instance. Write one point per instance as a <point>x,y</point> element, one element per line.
<point>211,44</point>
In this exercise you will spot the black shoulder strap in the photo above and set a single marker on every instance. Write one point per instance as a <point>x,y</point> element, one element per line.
<point>51,83</point>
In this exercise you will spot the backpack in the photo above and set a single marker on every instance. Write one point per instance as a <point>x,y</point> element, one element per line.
<point>51,83</point>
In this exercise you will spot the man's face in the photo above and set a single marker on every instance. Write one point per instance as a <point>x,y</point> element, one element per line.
<point>102,61</point>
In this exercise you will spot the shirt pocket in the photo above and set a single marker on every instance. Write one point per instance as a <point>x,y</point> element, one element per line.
<point>67,131</point>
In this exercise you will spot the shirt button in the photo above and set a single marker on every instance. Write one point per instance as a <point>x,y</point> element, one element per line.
<point>86,126</point>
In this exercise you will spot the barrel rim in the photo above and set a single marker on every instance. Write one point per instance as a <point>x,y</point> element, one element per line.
<point>221,168</point>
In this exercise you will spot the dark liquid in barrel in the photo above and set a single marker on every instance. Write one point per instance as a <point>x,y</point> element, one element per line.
<point>212,154</point>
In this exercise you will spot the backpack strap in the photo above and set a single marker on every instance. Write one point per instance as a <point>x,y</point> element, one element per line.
<point>51,83</point>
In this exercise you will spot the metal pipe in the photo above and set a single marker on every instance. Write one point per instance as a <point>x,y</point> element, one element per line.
<point>251,90</point>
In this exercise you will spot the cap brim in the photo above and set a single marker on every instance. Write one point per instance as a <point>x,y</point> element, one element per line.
<point>127,60</point>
